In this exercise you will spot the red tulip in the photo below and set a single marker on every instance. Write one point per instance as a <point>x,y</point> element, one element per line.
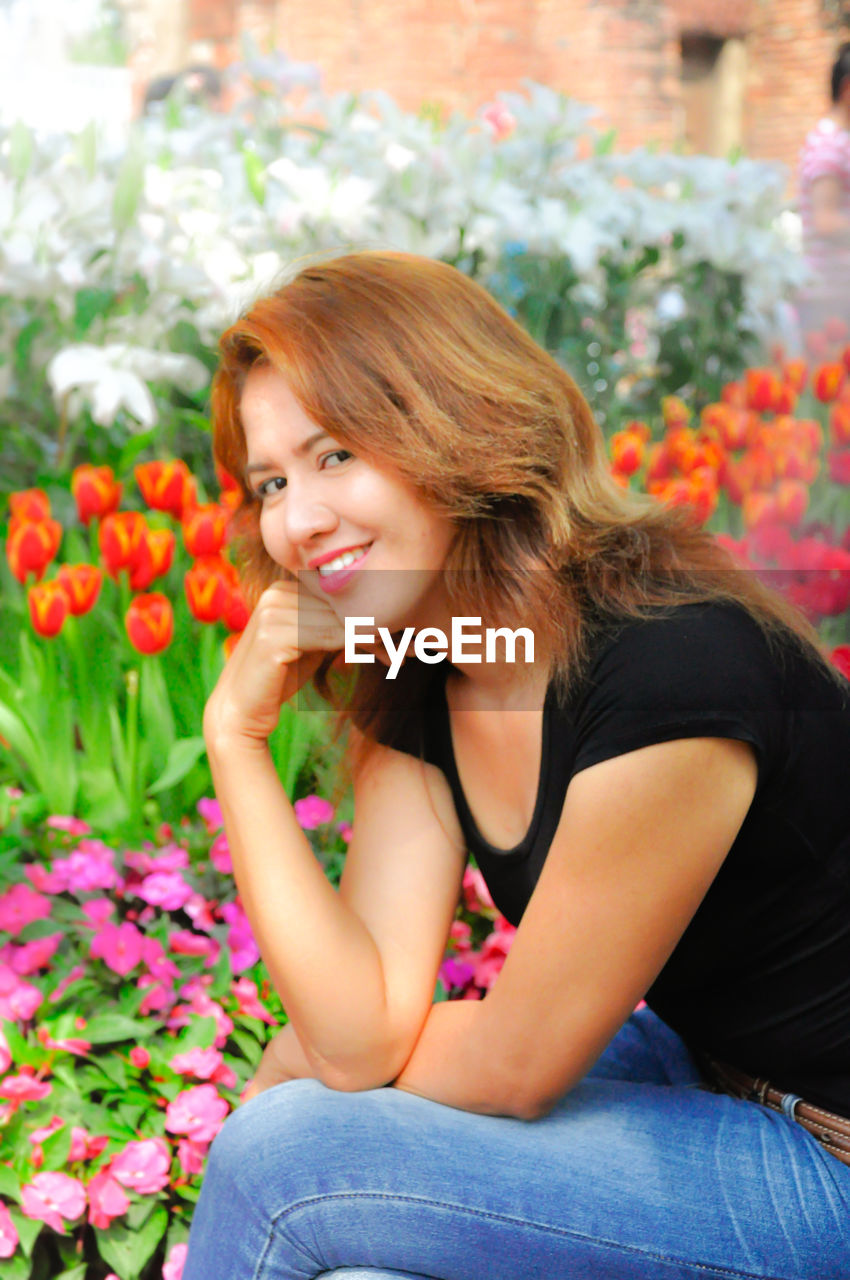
<point>627,451</point>
<point>841,655</point>
<point>236,612</point>
<point>31,546</point>
<point>208,585</point>
<point>827,381</point>
<point>81,584</point>
<point>119,537</point>
<point>166,486</point>
<point>49,608</point>
<point>795,373</point>
<point>762,389</point>
<point>153,557</point>
<point>30,504</point>
<point>839,466</point>
<point>96,491</point>
<point>150,623</point>
<point>792,499</point>
<point>205,528</point>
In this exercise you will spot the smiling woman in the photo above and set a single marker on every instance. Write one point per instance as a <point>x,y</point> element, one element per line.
<point>658,803</point>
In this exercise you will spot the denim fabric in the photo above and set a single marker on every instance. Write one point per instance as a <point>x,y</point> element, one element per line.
<point>637,1173</point>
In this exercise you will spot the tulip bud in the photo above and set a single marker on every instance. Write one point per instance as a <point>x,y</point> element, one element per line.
<point>30,504</point>
<point>96,492</point>
<point>150,623</point>
<point>48,607</point>
<point>204,529</point>
<point>81,584</point>
<point>166,486</point>
<point>31,545</point>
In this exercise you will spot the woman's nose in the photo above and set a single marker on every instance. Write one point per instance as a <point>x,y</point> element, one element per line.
<point>305,515</point>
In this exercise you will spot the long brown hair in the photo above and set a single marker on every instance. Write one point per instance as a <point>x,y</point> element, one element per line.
<point>416,368</point>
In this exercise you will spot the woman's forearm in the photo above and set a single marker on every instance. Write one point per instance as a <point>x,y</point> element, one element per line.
<point>320,956</point>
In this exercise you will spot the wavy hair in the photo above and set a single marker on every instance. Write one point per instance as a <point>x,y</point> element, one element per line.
<point>416,368</point>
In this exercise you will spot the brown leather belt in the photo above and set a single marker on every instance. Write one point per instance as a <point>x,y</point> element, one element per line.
<point>831,1130</point>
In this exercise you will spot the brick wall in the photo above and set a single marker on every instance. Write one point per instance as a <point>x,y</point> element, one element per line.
<point>622,56</point>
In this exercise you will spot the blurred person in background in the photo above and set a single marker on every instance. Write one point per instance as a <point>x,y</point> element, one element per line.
<point>824,202</point>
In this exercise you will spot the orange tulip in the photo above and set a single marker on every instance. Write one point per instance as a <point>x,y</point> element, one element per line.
<point>166,486</point>
<point>639,428</point>
<point>733,393</point>
<point>795,373</point>
<point>761,388</point>
<point>792,499</point>
<point>827,381</point>
<point>30,504</point>
<point>759,508</point>
<point>231,642</point>
<point>150,623</point>
<point>208,585</point>
<point>675,412</point>
<point>839,424</point>
<point>627,452</point>
<point>96,492</point>
<point>81,584</point>
<point>205,528</point>
<point>153,557</point>
<point>31,546</point>
<point>660,464</point>
<point>120,537</point>
<point>49,608</point>
<point>236,612</point>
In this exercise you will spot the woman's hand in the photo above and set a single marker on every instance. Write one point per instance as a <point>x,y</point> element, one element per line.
<point>286,638</point>
<point>283,1059</point>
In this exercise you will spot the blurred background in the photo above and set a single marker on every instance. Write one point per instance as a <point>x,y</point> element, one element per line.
<point>707,75</point>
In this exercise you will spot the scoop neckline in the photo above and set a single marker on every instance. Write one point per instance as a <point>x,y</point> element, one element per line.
<point>477,841</point>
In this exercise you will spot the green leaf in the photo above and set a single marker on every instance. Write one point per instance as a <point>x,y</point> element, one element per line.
<point>56,1149</point>
<point>74,1273</point>
<point>127,1250</point>
<point>28,1229</point>
<point>89,303</point>
<point>200,1034</point>
<point>183,756</point>
<point>17,1267</point>
<point>110,1028</point>
<point>251,1048</point>
<point>605,143</point>
<point>10,1183</point>
<point>86,148</point>
<point>20,150</point>
<point>134,447</point>
<point>255,175</point>
<point>23,1053</point>
<point>129,187</point>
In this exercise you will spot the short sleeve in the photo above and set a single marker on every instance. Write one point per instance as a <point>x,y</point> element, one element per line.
<point>702,670</point>
<point>824,156</point>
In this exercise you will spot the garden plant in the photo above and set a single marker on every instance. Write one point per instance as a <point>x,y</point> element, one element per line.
<point>134,1006</point>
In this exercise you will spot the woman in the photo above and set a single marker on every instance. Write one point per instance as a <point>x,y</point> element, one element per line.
<point>659,801</point>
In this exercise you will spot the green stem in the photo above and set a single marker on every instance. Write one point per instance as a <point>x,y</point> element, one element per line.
<point>132,739</point>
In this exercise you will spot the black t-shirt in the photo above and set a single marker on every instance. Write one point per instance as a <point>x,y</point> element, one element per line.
<point>761,976</point>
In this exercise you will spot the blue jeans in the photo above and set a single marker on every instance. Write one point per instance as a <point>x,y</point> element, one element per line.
<point>638,1172</point>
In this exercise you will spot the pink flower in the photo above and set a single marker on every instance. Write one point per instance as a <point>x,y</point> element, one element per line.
<point>456,974</point>
<point>475,892</point>
<point>18,999</point>
<point>107,1199</point>
<point>313,811</point>
<point>31,956</point>
<point>173,1268</point>
<point>246,993</point>
<point>99,910</point>
<point>139,1057</point>
<point>159,995</point>
<point>19,906</point>
<point>89,867</point>
<point>202,1004</point>
<point>42,879</point>
<point>184,942</point>
<point>37,1137</point>
<point>63,822</point>
<point>198,1112</point>
<point>346,830</point>
<point>200,1063</point>
<point>24,1088</point>
<point>199,912</point>
<point>5,1054</point>
<point>8,1233</point>
<point>50,1197</point>
<point>500,121</point>
<point>69,1044</point>
<point>142,1166</point>
<point>84,1146</point>
<point>153,954</point>
<point>244,952</point>
<point>165,889</point>
<point>210,811</point>
<point>119,946</point>
<point>493,953</point>
<point>191,1155</point>
<point>220,854</point>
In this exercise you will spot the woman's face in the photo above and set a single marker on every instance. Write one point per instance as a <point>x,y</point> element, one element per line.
<point>355,536</point>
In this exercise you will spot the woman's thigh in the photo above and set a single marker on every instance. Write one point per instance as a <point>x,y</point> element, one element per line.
<point>623,1180</point>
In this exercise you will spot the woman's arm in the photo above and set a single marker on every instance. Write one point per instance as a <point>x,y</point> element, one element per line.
<point>640,840</point>
<point>355,970</point>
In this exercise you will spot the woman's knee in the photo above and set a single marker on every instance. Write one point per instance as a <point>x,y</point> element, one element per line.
<point>256,1133</point>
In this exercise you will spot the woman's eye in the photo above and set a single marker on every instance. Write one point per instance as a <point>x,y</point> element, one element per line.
<point>271,486</point>
<point>344,454</point>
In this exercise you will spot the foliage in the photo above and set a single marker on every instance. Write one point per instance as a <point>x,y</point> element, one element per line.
<point>121,264</point>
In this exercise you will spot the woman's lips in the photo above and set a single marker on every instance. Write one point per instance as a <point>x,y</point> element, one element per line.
<point>333,582</point>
